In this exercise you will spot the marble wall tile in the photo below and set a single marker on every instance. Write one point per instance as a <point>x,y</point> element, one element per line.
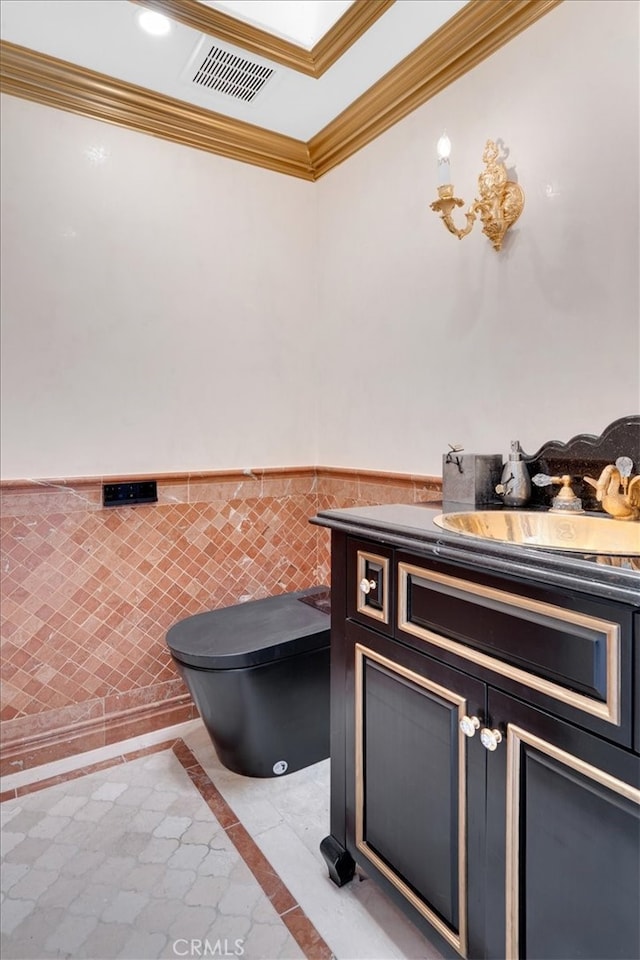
<point>88,593</point>
<point>43,497</point>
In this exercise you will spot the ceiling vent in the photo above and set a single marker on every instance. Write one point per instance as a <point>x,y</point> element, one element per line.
<point>224,72</point>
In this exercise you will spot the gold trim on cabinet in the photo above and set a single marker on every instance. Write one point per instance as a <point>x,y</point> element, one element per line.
<point>479,29</point>
<point>457,940</point>
<point>608,710</point>
<point>357,19</point>
<point>361,574</point>
<point>516,736</point>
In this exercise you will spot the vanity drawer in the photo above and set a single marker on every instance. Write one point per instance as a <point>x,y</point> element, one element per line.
<point>369,585</point>
<point>572,657</point>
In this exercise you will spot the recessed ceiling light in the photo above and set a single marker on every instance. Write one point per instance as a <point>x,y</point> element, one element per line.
<point>154,23</point>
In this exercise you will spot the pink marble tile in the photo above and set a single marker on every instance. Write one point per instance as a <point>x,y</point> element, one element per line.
<point>89,593</point>
<point>49,498</point>
<point>36,725</point>
<point>127,727</point>
<point>306,935</point>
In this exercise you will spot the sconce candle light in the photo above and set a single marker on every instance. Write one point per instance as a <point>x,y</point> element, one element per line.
<point>500,202</point>
<point>444,152</point>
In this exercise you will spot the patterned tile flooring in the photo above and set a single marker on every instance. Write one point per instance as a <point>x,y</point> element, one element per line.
<point>171,855</point>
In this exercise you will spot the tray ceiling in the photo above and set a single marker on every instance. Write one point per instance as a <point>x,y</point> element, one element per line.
<point>270,101</point>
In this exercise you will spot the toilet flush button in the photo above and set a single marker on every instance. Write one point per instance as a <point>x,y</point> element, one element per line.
<point>280,767</point>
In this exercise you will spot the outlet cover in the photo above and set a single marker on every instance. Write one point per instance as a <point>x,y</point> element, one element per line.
<point>126,494</point>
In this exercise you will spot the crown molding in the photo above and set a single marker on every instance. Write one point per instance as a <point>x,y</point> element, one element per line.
<point>35,76</point>
<point>473,34</point>
<point>349,28</point>
<point>470,36</point>
<point>361,15</point>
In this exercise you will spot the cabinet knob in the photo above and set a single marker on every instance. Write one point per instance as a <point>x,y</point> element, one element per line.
<point>490,738</point>
<point>367,585</point>
<point>469,725</point>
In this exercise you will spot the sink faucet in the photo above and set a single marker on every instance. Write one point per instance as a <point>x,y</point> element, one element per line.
<point>617,490</point>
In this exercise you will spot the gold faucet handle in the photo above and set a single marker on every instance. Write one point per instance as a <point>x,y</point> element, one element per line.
<point>566,492</point>
<point>565,500</point>
<point>544,480</point>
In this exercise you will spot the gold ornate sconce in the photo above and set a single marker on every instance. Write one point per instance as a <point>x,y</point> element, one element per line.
<point>500,202</point>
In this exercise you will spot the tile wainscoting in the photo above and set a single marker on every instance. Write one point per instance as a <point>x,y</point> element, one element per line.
<point>88,593</point>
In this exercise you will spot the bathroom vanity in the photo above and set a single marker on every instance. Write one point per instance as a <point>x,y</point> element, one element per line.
<point>485,735</point>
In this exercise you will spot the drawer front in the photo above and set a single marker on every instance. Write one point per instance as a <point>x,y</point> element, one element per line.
<point>369,585</point>
<point>569,656</point>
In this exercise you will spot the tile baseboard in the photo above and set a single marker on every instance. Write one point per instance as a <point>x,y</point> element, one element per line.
<point>72,739</point>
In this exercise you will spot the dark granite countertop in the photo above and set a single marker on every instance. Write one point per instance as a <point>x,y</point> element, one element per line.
<point>411,527</point>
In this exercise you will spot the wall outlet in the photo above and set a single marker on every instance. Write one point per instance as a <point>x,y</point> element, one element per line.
<point>124,494</point>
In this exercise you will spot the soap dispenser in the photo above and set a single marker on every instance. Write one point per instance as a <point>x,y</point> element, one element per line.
<point>515,483</point>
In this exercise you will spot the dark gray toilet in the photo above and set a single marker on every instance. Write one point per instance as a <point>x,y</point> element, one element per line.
<point>258,673</point>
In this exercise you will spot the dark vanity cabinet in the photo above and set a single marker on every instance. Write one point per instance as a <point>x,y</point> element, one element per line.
<point>483,764</point>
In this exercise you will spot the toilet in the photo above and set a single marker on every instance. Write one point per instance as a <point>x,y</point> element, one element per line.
<point>258,672</point>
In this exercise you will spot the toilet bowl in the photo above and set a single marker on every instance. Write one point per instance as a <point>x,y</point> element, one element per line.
<point>258,672</point>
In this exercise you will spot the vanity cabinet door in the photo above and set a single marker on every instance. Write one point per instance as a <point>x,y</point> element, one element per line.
<point>636,658</point>
<point>563,840</point>
<point>418,782</point>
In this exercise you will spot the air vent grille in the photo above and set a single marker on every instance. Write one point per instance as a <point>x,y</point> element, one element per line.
<point>237,77</point>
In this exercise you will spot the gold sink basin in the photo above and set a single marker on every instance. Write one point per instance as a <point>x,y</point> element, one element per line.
<point>553,531</point>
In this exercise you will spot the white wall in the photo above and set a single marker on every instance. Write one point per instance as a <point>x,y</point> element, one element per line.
<point>155,304</point>
<point>444,340</point>
<point>170,310</point>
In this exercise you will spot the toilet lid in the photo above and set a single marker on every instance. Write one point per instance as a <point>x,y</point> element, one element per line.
<point>248,634</point>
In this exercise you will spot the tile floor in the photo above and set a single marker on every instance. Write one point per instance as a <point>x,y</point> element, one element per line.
<point>169,854</point>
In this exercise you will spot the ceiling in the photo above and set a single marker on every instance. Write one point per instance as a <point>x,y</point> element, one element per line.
<point>224,83</point>
<point>304,22</point>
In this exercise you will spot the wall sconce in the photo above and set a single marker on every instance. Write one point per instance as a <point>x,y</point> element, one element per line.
<point>500,202</point>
